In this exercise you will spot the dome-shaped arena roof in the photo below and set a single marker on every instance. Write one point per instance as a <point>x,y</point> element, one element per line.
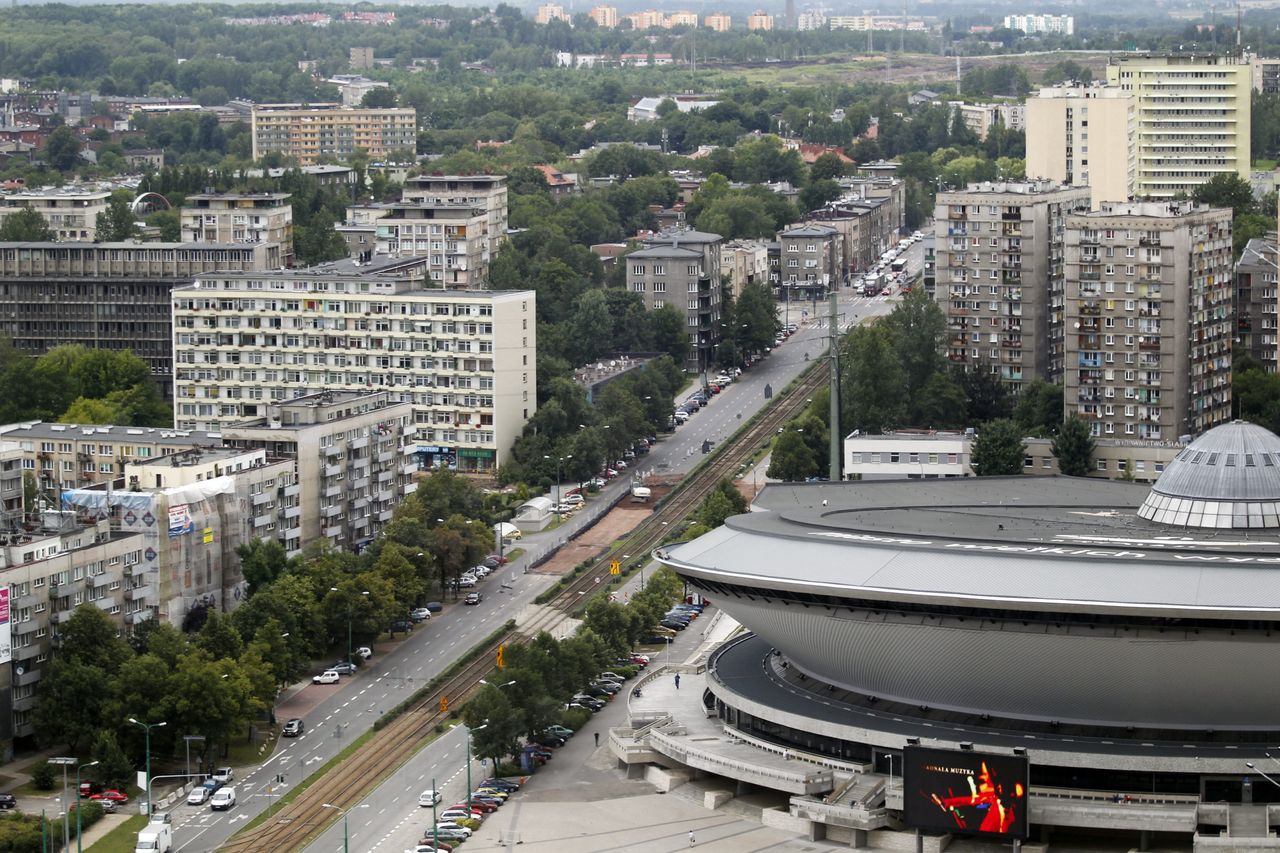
<point>1228,477</point>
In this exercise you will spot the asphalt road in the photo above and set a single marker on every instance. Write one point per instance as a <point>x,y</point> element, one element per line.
<point>345,710</point>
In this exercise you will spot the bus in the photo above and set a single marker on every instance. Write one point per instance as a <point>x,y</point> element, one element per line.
<point>898,265</point>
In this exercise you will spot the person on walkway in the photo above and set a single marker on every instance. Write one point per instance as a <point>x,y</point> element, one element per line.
<point>597,734</point>
<point>692,840</point>
<point>677,681</point>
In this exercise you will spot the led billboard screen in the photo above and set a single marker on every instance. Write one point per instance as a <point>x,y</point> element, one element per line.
<point>965,793</point>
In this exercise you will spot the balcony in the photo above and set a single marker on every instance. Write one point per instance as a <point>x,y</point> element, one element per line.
<point>334,532</point>
<point>1150,241</point>
<point>1149,344</point>
<point>386,515</point>
<point>140,593</point>
<point>29,675</point>
<point>411,468</point>
<point>1091,276</point>
<point>953,213</point>
<point>331,511</point>
<point>1090,309</point>
<point>1011,341</point>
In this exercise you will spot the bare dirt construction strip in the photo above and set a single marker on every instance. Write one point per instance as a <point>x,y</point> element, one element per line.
<point>618,522</point>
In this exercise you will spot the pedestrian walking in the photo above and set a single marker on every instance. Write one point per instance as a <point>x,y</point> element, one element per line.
<point>692,840</point>
<point>597,738</point>
<point>677,681</point>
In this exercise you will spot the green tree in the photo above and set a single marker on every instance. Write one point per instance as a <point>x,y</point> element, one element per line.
<point>827,166</point>
<point>261,562</point>
<point>25,225</point>
<point>1073,446</point>
<point>1226,190</point>
<point>113,767</point>
<point>62,149</point>
<point>219,638</point>
<point>1039,408</point>
<point>998,450</point>
<point>380,98</point>
<point>116,223</point>
<point>873,381</point>
<point>792,459</point>
<point>69,703</point>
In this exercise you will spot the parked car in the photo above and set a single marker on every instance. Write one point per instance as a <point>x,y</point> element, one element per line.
<point>343,667</point>
<point>457,829</point>
<point>223,774</point>
<point>402,625</point>
<point>8,801</point>
<point>364,653</point>
<point>211,785</point>
<point>113,795</point>
<point>465,582</point>
<point>545,739</point>
<point>500,784</point>
<point>88,789</point>
<point>223,799</point>
<point>472,598</point>
<point>574,500</point>
<point>293,728</point>
<point>592,702</point>
<point>326,677</point>
<point>561,731</point>
<point>419,614</point>
<point>485,807</point>
<point>198,795</point>
<point>434,606</point>
<point>674,624</point>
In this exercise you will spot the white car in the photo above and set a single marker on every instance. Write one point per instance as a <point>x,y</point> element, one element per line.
<point>574,500</point>
<point>459,814</point>
<point>329,676</point>
<point>452,827</point>
<point>428,798</point>
<point>223,799</point>
<point>198,795</point>
<point>364,653</point>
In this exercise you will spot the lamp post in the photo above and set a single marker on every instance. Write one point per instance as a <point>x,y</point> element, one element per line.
<point>346,837</point>
<point>559,461</point>
<point>350,606</point>
<point>79,845</point>
<point>470,732</point>
<point>65,761</point>
<point>188,739</point>
<point>148,727</point>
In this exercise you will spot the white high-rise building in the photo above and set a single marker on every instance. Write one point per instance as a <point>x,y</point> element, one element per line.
<point>1036,24</point>
<point>465,360</point>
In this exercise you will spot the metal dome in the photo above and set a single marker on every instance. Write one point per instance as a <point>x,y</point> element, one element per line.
<point>1227,478</point>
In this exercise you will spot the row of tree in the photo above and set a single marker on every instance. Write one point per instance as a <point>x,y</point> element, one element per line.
<point>74,384</point>
<point>543,674</point>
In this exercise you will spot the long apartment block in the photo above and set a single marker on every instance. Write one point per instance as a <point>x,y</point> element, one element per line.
<point>999,276</point>
<point>112,296</point>
<point>1193,118</point>
<point>464,360</point>
<point>307,132</point>
<point>1150,314</point>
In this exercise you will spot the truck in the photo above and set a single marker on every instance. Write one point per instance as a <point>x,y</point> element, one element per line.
<point>872,283</point>
<point>155,837</point>
<point>640,494</point>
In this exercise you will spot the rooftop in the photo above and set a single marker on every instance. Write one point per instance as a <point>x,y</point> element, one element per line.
<point>142,435</point>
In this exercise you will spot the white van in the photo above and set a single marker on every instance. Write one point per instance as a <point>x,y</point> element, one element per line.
<point>156,837</point>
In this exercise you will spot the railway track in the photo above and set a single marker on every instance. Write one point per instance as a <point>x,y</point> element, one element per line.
<point>303,818</point>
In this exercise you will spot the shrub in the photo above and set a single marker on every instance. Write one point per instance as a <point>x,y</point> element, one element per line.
<point>575,718</point>
<point>43,776</point>
<point>508,770</point>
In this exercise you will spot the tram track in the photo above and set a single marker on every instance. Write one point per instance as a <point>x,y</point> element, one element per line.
<point>296,823</point>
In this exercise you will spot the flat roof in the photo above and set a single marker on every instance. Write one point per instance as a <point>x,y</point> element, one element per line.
<point>1066,544</point>
<point>156,435</point>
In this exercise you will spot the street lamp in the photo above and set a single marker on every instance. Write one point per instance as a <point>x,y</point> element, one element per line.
<point>559,460</point>
<point>148,727</point>
<point>345,835</point>
<point>349,610</point>
<point>79,846</point>
<point>65,761</point>
<point>469,734</point>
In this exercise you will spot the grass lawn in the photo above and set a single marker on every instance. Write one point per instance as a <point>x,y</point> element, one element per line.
<point>1264,165</point>
<point>514,554</point>
<point>122,838</point>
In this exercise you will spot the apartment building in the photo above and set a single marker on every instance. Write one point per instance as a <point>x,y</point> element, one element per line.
<point>647,19</point>
<point>999,276</point>
<point>71,212</point>
<point>1038,24</point>
<point>353,458</point>
<point>239,218</point>
<point>718,22</point>
<point>869,219</point>
<point>50,564</point>
<point>1256,301</point>
<point>1265,74</point>
<point>72,456</point>
<point>1149,313</point>
<point>1084,136</point>
<point>549,12</point>
<point>353,87</point>
<point>1193,118</point>
<point>682,269</point>
<point>486,192</point>
<point>109,295</point>
<point>980,118</point>
<point>759,20</point>
<point>305,132</point>
<point>744,262</point>
<point>681,18</point>
<point>452,237</point>
<point>604,16</point>
<point>464,360</point>
<point>360,57</point>
<point>811,259</point>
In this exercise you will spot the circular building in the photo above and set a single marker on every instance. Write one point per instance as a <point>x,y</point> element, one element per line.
<point>1123,637</point>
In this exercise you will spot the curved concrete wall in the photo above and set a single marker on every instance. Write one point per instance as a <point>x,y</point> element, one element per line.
<point>1210,681</point>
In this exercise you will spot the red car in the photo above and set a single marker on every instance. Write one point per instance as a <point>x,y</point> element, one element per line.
<point>113,795</point>
<point>476,806</point>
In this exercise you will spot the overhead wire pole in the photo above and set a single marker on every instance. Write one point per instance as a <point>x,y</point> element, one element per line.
<point>833,354</point>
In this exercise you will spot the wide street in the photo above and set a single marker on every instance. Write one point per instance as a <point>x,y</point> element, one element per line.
<point>335,714</point>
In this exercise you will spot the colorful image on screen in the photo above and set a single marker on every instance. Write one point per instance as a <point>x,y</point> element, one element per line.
<point>965,793</point>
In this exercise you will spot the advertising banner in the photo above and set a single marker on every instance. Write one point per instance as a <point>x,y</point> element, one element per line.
<point>6,635</point>
<point>962,792</point>
<point>180,520</point>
